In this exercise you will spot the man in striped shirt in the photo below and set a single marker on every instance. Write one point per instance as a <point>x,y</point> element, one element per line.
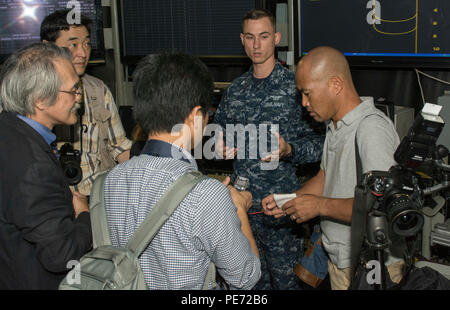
<point>210,224</point>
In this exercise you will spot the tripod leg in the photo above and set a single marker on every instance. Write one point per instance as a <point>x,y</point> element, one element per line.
<point>380,257</point>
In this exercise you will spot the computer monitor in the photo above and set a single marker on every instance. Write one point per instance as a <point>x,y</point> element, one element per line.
<point>400,33</point>
<point>20,22</point>
<point>205,28</point>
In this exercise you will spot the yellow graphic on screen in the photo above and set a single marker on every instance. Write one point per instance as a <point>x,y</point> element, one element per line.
<point>411,23</point>
<point>403,26</point>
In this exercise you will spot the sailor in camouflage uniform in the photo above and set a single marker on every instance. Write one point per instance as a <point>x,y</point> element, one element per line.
<point>263,98</point>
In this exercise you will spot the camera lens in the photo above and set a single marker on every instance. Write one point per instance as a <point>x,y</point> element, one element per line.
<point>404,215</point>
<point>73,174</point>
<point>70,162</point>
<point>407,223</point>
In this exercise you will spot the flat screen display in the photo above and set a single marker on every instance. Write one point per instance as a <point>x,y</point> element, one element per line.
<point>20,22</point>
<point>403,32</point>
<point>198,27</point>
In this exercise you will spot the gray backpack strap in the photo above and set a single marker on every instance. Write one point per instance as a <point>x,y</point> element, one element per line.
<point>153,221</point>
<point>163,210</point>
<point>210,277</point>
<point>99,225</point>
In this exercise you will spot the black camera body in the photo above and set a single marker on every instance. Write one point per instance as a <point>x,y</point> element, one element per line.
<point>397,191</point>
<point>388,205</point>
<point>70,160</point>
<point>399,197</point>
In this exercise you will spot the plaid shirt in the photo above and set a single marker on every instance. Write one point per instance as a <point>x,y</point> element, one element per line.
<point>90,157</point>
<point>205,226</point>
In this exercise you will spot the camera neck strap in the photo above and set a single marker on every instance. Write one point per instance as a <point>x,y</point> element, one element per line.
<point>80,112</point>
<point>359,212</point>
<point>358,162</point>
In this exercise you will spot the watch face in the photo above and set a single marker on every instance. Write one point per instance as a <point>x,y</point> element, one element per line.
<point>241,183</point>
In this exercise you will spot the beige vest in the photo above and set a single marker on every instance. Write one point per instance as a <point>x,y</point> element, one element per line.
<point>95,90</point>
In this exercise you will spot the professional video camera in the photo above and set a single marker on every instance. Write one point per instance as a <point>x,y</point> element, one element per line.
<point>70,160</point>
<point>388,204</point>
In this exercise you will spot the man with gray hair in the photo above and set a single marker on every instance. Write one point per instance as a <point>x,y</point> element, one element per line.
<point>44,227</point>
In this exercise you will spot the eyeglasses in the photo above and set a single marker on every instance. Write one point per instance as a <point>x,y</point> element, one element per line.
<point>72,92</point>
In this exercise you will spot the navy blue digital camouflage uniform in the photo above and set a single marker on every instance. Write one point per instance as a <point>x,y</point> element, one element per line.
<point>272,100</point>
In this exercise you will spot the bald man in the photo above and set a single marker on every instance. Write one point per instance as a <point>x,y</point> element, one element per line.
<point>324,79</point>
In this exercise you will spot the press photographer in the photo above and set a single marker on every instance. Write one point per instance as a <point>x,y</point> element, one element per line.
<point>323,76</point>
<point>43,224</point>
<point>105,142</point>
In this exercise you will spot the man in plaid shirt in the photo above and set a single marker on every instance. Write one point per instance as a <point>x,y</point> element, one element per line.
<point>103,139</point>
<point>210,224</point>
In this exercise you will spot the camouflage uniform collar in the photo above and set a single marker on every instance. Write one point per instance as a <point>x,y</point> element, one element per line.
<point>275,72</point>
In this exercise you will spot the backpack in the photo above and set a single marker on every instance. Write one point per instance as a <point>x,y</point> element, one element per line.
<point>117,268</point>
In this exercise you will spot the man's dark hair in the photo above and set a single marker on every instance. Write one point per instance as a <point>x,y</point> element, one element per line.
<point>166,88</point>
<point>57,21</point>
<point>256,14</point>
